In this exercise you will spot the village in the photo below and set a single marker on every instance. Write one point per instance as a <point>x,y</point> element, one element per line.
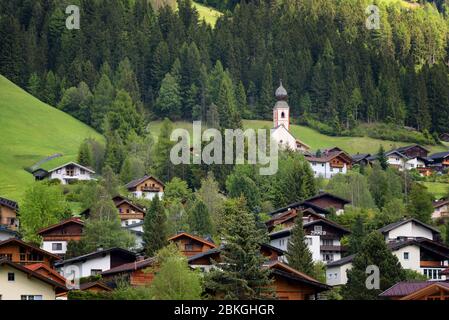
<point>29,272</point>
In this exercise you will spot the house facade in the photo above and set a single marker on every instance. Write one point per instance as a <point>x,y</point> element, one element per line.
<point>94,263</point>
<point>329,163</point>
<point>67,173</point>
<point>190,244</point>
<point>20,283</point>
<point>22,253</point>
<point>56,237</point>
<point>440,210</point>
<point>129,212</point>
<point>8,214</point>
<point>146,187</point>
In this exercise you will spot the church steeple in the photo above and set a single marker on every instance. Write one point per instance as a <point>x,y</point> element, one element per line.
<point>281,111</point>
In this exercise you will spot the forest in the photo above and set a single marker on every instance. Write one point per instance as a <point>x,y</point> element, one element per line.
<point>170,64</point>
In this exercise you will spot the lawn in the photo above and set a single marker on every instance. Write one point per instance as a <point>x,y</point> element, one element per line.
<point>208,14</point>
<point>313,138</point>
<point>438,189</point>
<point>30,131</point>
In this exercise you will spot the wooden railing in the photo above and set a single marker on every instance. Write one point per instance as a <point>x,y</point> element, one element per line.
<point>426,264</point>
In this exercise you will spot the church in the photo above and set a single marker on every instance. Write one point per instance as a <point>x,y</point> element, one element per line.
<point>281,121</point>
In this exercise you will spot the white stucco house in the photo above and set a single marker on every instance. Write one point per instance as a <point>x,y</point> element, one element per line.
<point>137,230</point>
<point>20,283</point>
<point>94,263</point>
<point>415,244</point>
<point>66,173</point>
<point>146,187</point>
<point>329,163</point>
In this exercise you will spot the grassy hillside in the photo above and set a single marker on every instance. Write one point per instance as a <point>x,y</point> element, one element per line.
<point>30,131</point>
<point>315,139</point>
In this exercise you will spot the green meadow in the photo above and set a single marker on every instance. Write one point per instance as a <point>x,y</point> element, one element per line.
<point>30,131</point>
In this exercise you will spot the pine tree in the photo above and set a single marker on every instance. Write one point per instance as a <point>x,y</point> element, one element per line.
<point>420,203</point>
<point>240,275</point>
<point>154,228</point>
<point>382,158</point>
<point>266,99</point>
<point>199,219</point>
<point>299,256</point>
<point>227,105</point>
<point>373,252</point>
<point>34,85</point>
<point>85,157</point>
<point>168,102</point>
<point>104,94</point>
<point>357,235</point>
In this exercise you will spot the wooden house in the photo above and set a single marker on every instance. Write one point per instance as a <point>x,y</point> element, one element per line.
<point>361,159</point>
<point>8,214</point>
<point>56,237</point>
<point>444,137</point>
<point>190,245</point>
<point>20,252</point>
<point>417,290</point>
<point>129,212</point>
<point>440,210</point>
<point>291,284</point>
<point>20,283</point>
<point>440,160</point>
<point>146,187</point>
<point>6,233</point>
<point>138,273</point>
<point>328,201</point>
<point>330,163</point>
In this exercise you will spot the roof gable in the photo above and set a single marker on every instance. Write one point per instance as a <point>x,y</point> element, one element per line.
<point>20,243</point>
<point>193,237</point>
<point>127,254</point>
<point>61,224</point>
<point>399,223</point>
<point>72,164</point>
<point>9,203</point>
<point>136,182</point>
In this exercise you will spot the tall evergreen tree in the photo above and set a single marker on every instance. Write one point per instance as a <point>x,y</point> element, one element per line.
<point>240,275</point>
<point>199,219</point>
<point>299,256</point>
<point>154,228</point>
<point>374,252</point>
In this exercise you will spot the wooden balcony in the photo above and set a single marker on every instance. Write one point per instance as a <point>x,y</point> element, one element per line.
<point>332,248</point>
<point>432,264</point>
<point>151,189</point>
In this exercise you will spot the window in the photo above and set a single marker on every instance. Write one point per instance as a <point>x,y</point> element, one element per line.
<point>56,246</point>
<point>328,257</point>
<point>6,255</point>
<point>94,272</point>
<point>332,169</point>
<point>127,210</point>
<point>406,255</point>
<point>11,276</point>
<point>341,169</point>
<point>433,274</point>
<point>82,171</point>
<point>317,228</point>
<point>282,115</point>
<point>188,247</point>
<point>30,297</point>
<point>328,242</point>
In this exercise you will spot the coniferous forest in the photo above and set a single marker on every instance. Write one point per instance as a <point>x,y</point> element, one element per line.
<point>170,64</point>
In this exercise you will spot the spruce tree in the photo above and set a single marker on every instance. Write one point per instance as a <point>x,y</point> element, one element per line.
<point>374,252</point>
<point>199,219</point>
<point>383,161</point>
<point>154,228</point>
<point>299,256</point>
<point>357,235</point>
<point>85,157</point>
<point>240,275</point>
<point>169,101</point>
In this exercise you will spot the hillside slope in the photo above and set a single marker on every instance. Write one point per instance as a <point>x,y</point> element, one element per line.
<point>315,139</point>
<point>31,130</point>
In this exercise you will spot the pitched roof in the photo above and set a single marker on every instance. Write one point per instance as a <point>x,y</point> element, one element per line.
<point>342,261</point>
<point>429,245</point>
<point>438,204</point>
<point>431,289</point>
<point>300,204</point>
<point>327,194</point>
<point>97,253</point>
<point>63,222</point>
<point>127,201</point>
<point>31,273</point>
<point>439,155</point>
<point>74,164</point>
<point>405,148</point>
<point>404,288</point>
<point>136,182</point>
<point>9,203</point>
<point>399,223</point>
<point>285,270</point>
<point>326,157</point>
<point>132,266</point>
<point>360,156</point>
<point>204,254</point>
<point>88,285</point>
<point>22,243</point>
<point>137,224</point>
<point>185,234</point>
<point>53,272</point>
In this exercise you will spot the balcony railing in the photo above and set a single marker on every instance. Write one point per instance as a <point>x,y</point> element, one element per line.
<point>432,264</point>
<point>150,189</point>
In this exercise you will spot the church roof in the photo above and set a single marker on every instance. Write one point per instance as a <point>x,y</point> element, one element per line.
<point>281,93</point>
